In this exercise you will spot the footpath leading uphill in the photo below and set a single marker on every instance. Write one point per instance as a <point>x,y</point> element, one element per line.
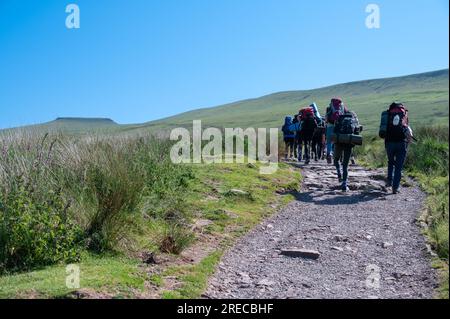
<point>328,244</point>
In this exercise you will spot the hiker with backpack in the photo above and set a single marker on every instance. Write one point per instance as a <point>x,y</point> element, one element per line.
<point>397,134</point>
<point>318,141</point>
<point>308,126</point>
<point>334,110</point>
<point>296,128</point>
<point>288,137</point>
<point>346,134</point>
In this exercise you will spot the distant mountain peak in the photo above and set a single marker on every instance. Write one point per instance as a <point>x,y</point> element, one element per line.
<point>85,119</point>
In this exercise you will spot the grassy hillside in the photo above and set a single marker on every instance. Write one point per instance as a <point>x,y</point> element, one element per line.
<point>425,94</point>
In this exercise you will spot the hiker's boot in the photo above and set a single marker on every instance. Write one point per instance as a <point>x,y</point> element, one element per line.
<point>345,188</point>
<point>395,191</point>
<point>329,159</point>
<point>388,183</point>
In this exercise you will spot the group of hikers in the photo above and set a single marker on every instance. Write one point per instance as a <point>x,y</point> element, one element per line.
<point>307,135</point>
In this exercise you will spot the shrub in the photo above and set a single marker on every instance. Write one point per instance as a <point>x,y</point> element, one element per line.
<point>35,232</point>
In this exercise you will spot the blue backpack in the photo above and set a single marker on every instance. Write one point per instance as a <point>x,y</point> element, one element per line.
<point>287,132</point>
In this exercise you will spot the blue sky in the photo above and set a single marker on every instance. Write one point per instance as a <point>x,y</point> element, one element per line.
<point>138,60</point>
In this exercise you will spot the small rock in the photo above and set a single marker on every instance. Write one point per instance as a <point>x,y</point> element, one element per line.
<point>340,238</point>
<point>269,226</point>
<point>350,249</point>
<point>149,258</point>
<point>265,282</point>
<point>306,285</point>
<point>337,248</point>
<point>302,253</point>
<point>399,275</point>
<point>244,286</point>
<point>387,245</point>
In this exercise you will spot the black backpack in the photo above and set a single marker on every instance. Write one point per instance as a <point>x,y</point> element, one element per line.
<point>347,124</point>
<point>397,122</point>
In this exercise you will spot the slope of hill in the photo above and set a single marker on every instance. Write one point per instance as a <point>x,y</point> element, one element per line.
<point>425,94</point>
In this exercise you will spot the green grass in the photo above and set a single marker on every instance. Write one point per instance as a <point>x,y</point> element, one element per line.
<point>210,196</point>
<point>112,275</point>
<point>231,216</point>
<point>194,278</point>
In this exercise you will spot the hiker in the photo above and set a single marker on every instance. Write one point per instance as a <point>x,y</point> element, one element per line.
<point>295,128</point>
<point>345,136</point>
<point>334,110</point>
<point>397,135</point>
<point>288,137</point>
<point>308,126</point>
<point>318,141</point>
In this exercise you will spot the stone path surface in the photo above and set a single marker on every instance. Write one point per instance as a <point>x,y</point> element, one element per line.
<point>328,244</point>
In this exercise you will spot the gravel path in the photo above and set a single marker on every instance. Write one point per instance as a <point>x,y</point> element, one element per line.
<point>369,243</point>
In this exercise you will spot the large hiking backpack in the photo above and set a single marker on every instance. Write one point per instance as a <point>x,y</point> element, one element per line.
<point>336,109</point>
<point>316,112</point>
<point>309,122</point>
<point>394,123</point>
<point>346,129</point>
<point>287,132</point>
<point>306,112</point>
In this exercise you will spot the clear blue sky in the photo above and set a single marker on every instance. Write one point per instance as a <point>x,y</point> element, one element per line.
<point>138,60</point>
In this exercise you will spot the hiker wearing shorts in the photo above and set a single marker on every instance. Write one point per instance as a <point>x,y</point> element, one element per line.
<point>288,137</point>
<point>334,110</point>
<point>397,134</point>
<point>346,127</point>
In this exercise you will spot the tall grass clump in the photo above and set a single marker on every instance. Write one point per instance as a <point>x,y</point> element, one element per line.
<point>62,194</point>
